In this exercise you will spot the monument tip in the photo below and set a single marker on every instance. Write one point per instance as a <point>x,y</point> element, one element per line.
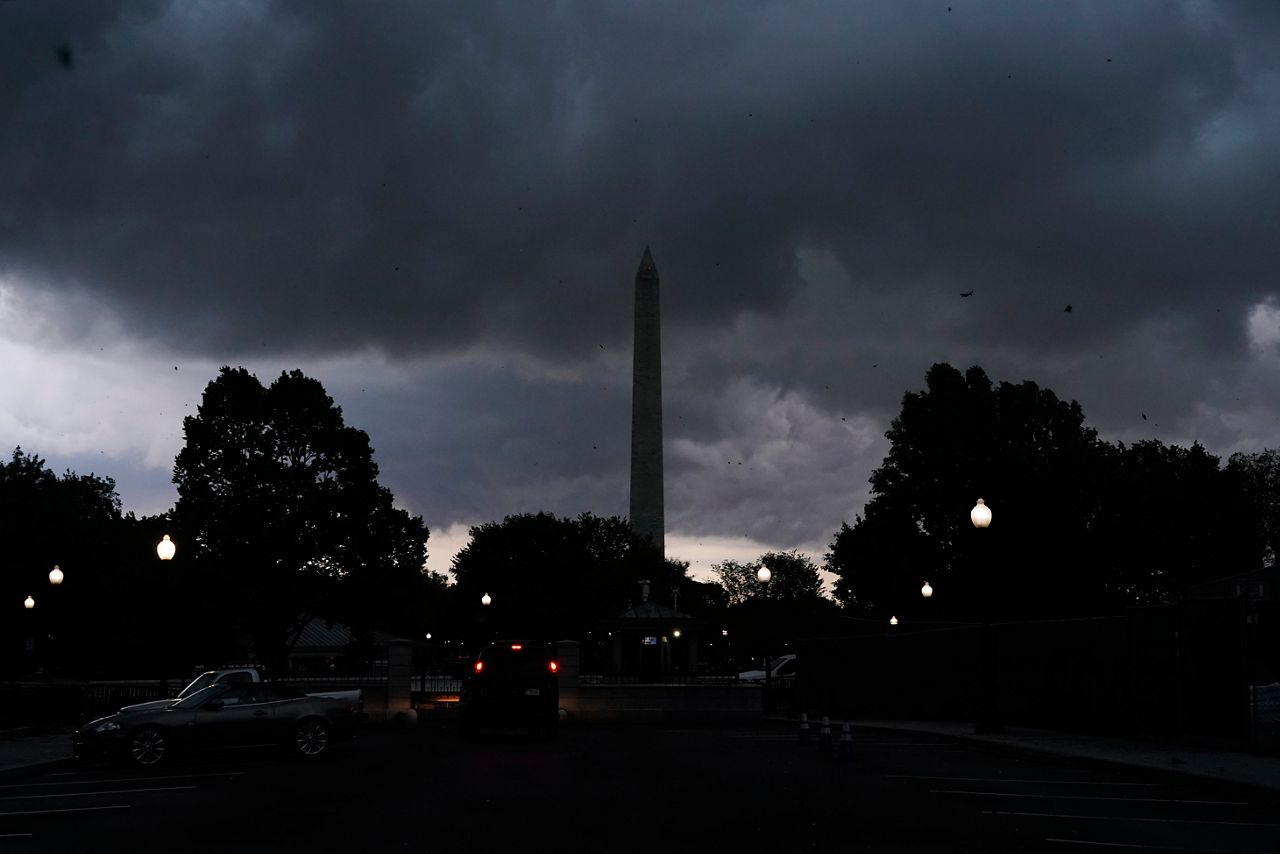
<point>648,270</point>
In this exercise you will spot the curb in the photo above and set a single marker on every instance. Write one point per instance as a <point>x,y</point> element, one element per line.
<point>1066,753</point>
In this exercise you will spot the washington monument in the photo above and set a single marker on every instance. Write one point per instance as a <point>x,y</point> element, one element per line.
<point>646,408</point>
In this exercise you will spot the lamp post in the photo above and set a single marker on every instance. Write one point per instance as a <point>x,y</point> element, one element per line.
<point>764,576</point>
<point>988,716</point>
<point>165,549</point>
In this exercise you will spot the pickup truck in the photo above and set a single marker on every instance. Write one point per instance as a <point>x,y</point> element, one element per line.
<point>235,674</point>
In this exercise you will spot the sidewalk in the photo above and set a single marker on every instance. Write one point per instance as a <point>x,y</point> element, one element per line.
<point>34,751</point>
<point>1246,768</point>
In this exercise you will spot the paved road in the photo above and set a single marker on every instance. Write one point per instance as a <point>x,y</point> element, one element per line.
<point>636,788</point>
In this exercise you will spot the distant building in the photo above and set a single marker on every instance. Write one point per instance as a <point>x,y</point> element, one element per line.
<point>1258,585</point>
<point>326,648</point>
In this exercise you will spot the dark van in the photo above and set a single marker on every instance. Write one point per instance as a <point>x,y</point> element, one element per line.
<point>512,684</point>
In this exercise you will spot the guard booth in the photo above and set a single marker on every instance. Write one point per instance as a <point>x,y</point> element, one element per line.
<point>652,642</point>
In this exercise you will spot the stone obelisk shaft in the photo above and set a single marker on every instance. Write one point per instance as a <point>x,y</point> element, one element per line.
<point>646,408</point>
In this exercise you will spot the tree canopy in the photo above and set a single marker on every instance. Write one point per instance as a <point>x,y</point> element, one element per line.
<point>1079,526</point>
<point>555,577</point>
<point>281,503</point>
<point>794,576</point>
<point>73,521</point>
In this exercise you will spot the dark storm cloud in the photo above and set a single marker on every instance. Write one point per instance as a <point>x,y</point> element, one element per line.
<point>418,177</point>
<point>819,183</point>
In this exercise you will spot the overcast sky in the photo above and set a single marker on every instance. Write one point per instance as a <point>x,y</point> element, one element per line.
<point>438,210</point>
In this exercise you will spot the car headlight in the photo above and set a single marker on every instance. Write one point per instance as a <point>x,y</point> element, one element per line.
<point>105,726</point>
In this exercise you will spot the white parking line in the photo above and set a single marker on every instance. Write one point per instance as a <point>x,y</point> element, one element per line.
<point>68,809</point>
<point>1006,780</point>
<point>932,745</point>
<point>93,794</point>
<point>1100,844</point>
<point>1089,798</point>
<point>1133,818</point>
<point>121,780</point>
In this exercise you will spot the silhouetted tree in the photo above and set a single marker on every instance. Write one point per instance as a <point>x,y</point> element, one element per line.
<point>286,518</point>
<point>1079,526</point>
<point>794,576</point>
<point>1256,477</point>
<point>554,577</point>
<point>1170,517</point>
<point>73,521</point>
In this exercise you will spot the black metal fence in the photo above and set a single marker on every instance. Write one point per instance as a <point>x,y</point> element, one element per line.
<point>1179,672</point>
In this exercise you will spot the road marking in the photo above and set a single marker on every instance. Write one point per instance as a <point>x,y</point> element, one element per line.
<point>12,835</point>
<point>1099,844</point>
<point>121,780</point>
<point>1089,798</point>
<point>1006,780</point>
<point>93,794</point>
<point>1133,818</point>
<point>932,745</point>
<point>68,809</point>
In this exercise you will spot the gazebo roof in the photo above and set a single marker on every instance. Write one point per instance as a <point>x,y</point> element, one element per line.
<point>649,612</point>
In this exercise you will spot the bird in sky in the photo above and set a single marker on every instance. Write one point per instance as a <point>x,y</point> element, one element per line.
<point>967,294</point>
<point>1068,308</point>
<point>1144,415</point>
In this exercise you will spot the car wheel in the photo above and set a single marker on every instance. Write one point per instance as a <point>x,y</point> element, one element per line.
<point>147,746</point>
<point>311,737</point>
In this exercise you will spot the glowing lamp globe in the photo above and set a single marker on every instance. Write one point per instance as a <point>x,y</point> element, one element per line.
<point>893,621</point>
<point>29,603</point>
<point>486,599</point>
<point>927,590</point>
<point>980,515</point>
<point>165,549</point>
<point>56,576</point>
<point>764,575</point>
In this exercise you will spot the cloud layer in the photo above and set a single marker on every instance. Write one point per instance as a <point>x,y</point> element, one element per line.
<point>438,209</point>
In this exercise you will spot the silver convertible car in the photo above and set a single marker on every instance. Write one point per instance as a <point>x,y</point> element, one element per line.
<point>218,717</point>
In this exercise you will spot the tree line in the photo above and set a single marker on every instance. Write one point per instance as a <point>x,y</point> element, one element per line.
<point>281,519</point>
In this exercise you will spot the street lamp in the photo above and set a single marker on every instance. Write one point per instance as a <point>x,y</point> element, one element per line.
<point>165,549</point>
<point>486,600</point>
<point>56,576</point>
<point>927,590</point>
<point>893,621</point>
<point>980,516</point>
<point>29,602</point>
<point>764,576</point>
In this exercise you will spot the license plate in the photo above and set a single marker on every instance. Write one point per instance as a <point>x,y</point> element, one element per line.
<point>532,692</point>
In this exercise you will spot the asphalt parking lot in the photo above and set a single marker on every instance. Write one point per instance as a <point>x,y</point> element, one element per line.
<point>635,788</point>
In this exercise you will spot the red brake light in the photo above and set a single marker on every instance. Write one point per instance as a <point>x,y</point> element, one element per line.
<point>479,666</point>
<point>554,667</point>
<point>516,647</point>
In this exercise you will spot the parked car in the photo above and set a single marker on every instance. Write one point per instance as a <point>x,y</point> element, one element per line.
<point>782,667</point>
<point>232,675</point>
<point>512,684</point>
<point>221,716</point>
